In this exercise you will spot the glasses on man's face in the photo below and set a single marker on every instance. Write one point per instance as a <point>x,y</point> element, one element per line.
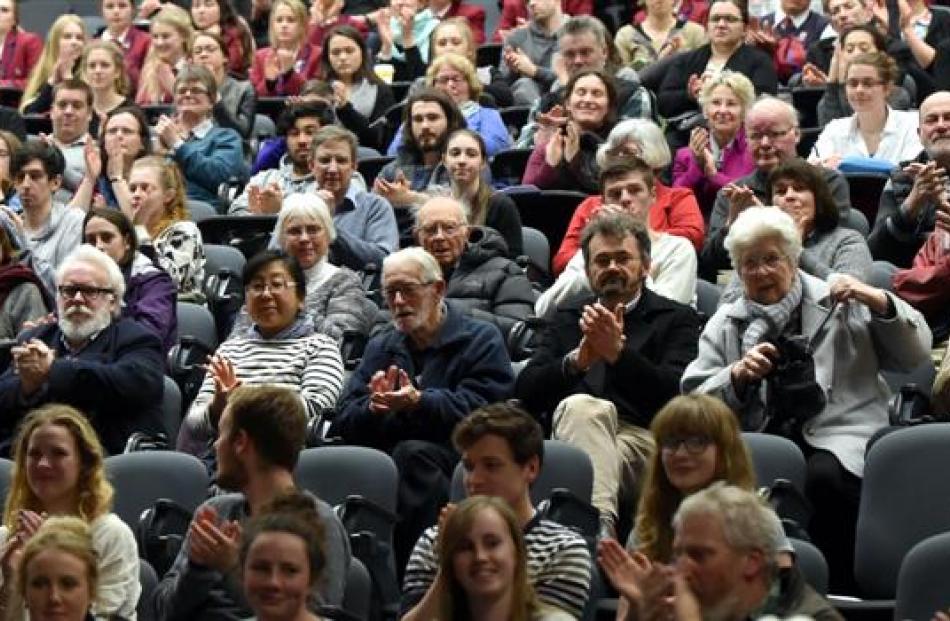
<point>776,134</point>
<point>447,228</point>
<point>769,262</point>
<point>183,91</point>
<point>405,290</point>
<point>867,83</point>
<point>276,287</point>
<point>91,294</point>
<point>694,444</point>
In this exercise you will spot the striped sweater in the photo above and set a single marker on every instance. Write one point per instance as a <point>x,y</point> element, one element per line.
<point>310,366</point>
<point>559,566</point>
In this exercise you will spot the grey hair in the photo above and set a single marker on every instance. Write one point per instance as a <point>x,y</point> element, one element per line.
<point>747,522</point>
<point>90,255</point>
<point>755,224</point>
<point>440,195</point>
<point>429,267</point>
<point>772,100</point>
<point>740,85</point>
<point>654,149</point>
<point>616,226</point>
<point>200,74</point>
<point>305,205</point>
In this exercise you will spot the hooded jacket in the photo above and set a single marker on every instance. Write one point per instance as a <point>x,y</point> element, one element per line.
<point>150,299</point>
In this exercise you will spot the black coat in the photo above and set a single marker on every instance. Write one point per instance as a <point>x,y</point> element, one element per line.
<point>662,338</point>
<point>116,381</point>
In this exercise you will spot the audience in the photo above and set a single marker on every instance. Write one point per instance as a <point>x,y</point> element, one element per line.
<point>335,299</point>
<point>101,67</point>
<point>719,153</point>
<point>171,33</point>
<point>661,34</point>
<point>502,451</point>
<point>21,49</point>
<point>824,55</point>
<point>908,208</point>
<point>71,116</point>
<point>416,381</point>
<point>869,330</point>
<point>150,293</point>
<point>134,43</point>
<point>24,296</point>
<point>207,154</point>
<point>526,63</point>
<point>404,29</point>
<point>58,471</point>
<point>629,189</point>
<point>237,100</point>
<point>260,435</point>
<point>466,160</point>
<point>609,361</point>
<point>280,346</point>
<point>58,63</point>
<point>787,33</point>
<point>282,68</point>
<point>218,17</point>
<point>478,276</point>
<point>875,130</point>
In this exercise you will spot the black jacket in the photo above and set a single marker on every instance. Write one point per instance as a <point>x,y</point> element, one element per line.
<point>896,237</point>
<point>488,285</point>
<point>116,381</point>
<point>662,338</point>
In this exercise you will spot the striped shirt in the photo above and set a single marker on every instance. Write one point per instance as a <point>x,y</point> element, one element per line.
<point>559,566</point>
<point>310,366</point>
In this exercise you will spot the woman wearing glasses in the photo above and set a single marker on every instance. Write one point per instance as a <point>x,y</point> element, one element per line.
<point>855,331</point>
<point>281,346</point>
<point>454,75</point>
<point>875,130</point>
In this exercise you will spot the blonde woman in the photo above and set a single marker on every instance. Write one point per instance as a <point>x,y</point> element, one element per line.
<point>455,76</point>
<point>103,69</point>
<point>58,471</point>
<point>171,44</point>
<point>290,60</point>
<point>58,62</point>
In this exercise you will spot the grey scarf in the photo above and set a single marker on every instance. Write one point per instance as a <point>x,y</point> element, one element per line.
<point>769,319</point>
<point>301,327</point>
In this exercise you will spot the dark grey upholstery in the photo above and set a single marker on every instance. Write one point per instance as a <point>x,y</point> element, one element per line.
<point>142,478</point>
<point>149,581</point>
<point>333,473</point>
<point>197,321</point>
<point>359,590</point>
<point>6,475</point>
<point>219,256</point>
<point>171,410</point>
<point>812,564</point>
<point>775,457</point>
<point>564,466</point>
<point>922,581</point>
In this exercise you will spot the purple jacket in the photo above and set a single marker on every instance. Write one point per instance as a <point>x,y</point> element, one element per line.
<point>736,163</point>
<point>150,300</point>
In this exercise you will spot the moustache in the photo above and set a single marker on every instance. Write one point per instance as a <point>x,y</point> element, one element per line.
<point>78,309</point>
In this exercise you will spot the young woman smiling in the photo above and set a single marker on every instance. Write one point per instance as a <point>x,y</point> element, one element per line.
<point>284,67</point>
<point>171,37</point>
<point>101,66</point>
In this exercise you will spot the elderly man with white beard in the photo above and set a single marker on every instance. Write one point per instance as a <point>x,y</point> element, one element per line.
<point>108,367</point>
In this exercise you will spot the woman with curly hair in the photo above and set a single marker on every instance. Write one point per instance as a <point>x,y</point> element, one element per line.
<point>58,471</point>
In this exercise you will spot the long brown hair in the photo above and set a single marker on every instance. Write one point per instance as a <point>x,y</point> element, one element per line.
<point>478,209</point>
<point>94,490</point>
<point>687,415</point>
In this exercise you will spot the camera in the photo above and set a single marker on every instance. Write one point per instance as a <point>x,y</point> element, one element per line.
<point>793,394</point>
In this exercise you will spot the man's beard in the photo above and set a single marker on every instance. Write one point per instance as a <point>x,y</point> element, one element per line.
<point>233,481</point>
<point>83,330</point>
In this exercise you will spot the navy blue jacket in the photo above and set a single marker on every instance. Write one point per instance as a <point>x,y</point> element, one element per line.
<point>116,380</point>
<point>467,367</point>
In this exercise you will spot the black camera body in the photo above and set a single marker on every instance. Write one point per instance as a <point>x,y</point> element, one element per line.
<point>793,394</point>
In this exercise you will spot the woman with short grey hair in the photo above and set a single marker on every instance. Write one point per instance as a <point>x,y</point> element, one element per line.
<point>853,332</point>
<point>335,300</point>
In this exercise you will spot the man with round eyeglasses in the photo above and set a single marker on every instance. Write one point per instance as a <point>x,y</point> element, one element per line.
<point>416,381</point>
<point>108,367</point>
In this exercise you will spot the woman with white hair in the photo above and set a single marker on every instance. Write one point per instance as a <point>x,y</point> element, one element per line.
<point>335,300</point>
<point>717,153</point>
<point>854,331</point>
<point>675,210</point>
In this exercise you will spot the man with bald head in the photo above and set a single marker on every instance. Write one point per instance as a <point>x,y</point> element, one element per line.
<point>772,132</point>
<point>917,191</point>
<point>478,275</point>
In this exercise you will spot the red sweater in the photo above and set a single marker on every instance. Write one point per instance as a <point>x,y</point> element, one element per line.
<point>308,62</point>
<point>926,284</point>
<point>21,51</point>
<point>675,212</point>
<point>473,14</point>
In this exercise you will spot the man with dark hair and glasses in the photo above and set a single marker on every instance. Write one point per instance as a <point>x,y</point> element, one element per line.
<point>108,367</point>
<point>773,133</point>
<point>416,381</point>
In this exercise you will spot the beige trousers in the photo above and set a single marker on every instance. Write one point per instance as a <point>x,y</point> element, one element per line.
<point>619,451</point>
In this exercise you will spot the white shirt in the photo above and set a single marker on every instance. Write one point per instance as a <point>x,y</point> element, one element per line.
<point>899,140</point>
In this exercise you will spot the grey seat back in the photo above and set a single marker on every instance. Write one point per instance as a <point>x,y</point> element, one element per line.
<point>142,478</point>
<point>922,581</point>
<point>333,473</point>
<point>775,457</point>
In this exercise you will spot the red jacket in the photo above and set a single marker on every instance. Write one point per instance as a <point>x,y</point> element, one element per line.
<point>511,10</point>
<point>21,51</point>
<point>675,212</point>
<point>134,49</point>
<point>306,67</point>
<point>926,284</point>
<point>475,15</point>
<point>235,50</point>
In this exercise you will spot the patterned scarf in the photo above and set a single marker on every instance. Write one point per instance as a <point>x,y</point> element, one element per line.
<point>769,319</point>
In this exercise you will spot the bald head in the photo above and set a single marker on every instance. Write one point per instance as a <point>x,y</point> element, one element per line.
<point>442,229</point>
<point>935,126</point>
<point>772,130</point>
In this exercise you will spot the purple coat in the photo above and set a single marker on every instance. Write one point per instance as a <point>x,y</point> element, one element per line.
<point>736,163</point>
<point>150,300</point>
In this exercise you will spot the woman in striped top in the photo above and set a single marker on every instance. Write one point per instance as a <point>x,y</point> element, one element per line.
<point>280,347</point>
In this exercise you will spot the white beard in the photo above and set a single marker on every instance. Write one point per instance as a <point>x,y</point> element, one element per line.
<point>81,331</point>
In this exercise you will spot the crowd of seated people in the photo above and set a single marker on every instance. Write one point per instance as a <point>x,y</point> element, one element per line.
<point>395,298</point>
